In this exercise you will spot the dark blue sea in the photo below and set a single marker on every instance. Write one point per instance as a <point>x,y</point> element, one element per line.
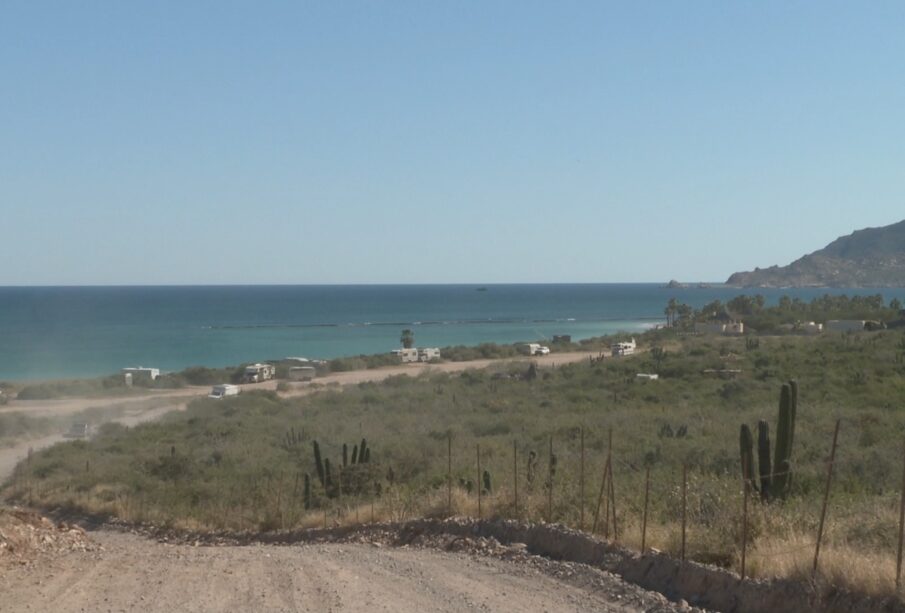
<point>57,332</point>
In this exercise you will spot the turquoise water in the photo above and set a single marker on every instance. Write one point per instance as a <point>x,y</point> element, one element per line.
<point>54,332</point>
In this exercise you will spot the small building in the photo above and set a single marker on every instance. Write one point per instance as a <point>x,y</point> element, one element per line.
<point>427,354</point>
<point>406,355</point>
<point>562,338</point>
<point>140,373</point>
<point>845,325</point>
<point>255,373</point>
<point>302,373</point>
<point>645,376</point>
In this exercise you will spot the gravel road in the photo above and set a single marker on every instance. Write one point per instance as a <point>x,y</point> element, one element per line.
<point>134,573</point>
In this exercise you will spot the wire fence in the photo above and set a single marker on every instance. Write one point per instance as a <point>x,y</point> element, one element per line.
<point>609,497</point>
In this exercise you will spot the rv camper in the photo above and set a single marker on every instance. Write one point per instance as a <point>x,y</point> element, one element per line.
<point>255,373</point>
<point>406,355</point>
<point>428,353</point>
<point>624,348</point>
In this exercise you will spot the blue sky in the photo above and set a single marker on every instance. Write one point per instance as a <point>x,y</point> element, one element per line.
<point>412,142</point>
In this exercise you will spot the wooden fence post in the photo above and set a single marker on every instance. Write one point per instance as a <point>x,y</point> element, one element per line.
<point>581,484</point>
<point>644,516</point>
<point>449,473</point>
<point>684,506</point>
<point>515,476</point>
<point>901,535</point>
<point>613,503</point>
<point>550,489</point>
<point>480,480</point>
<point>603,488</point>
<point>826,495</point>
<point>745,485</point>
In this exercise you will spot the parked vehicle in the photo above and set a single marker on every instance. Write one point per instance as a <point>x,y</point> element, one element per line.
<point>221,391</point>
<point>542,350</point>
<point>302,373</point>
<point>624,348</point>
<point>255,373</point>
<point>78,431</point>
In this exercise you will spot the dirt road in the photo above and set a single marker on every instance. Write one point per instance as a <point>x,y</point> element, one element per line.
<point>133,573</point>
<point>131,414</point>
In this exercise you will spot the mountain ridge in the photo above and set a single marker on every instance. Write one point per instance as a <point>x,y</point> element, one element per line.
<point>870,257</point>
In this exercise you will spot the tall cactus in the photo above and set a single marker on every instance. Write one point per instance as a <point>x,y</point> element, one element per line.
<point>783,452</point>
<point>355,454</point>
<point>763,458</point>
<point>746,446</point>
<point>345,455</point>
<point>363,451</point>
<point>775,479</point>
<point>328,477</point>
<point>319,464</point>
<point>306,497</point>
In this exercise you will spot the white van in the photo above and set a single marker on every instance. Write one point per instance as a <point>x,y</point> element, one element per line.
<point>221,391</point>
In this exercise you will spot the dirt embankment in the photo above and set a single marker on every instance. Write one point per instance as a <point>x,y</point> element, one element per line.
<point>550,546</point>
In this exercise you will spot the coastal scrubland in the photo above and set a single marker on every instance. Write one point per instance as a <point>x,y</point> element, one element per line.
<point>243,463</point>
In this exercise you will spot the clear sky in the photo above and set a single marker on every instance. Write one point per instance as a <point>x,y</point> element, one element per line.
<point>413,142</point>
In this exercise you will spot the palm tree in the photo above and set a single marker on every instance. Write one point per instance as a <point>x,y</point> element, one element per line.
<point>670,312</point>
<point>407,339</point>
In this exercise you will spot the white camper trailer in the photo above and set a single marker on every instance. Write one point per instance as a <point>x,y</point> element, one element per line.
<point>428,353</point>
<point>406,355</point>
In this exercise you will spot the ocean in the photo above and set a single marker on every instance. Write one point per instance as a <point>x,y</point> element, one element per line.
<point>63,332</point>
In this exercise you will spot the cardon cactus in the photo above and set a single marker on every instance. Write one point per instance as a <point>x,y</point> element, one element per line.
<point>345,455</point>
<point>775,480</point>
<point>487,488</point>
<point>319,464</point>
<point>328,477</point>
<point>763,457</point>
<point>355,454</point>
<point>746,445</point>
<point>782,464</point>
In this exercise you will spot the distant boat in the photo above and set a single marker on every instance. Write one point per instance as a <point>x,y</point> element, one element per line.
<point>481,289</point>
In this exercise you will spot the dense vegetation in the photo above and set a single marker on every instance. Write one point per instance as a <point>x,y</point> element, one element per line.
<point>242,462</point>
<point>785,316</point>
